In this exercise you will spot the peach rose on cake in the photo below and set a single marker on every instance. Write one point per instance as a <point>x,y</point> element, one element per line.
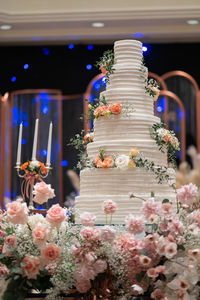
<point>50,252</point>
<point>108,162</point>
<point>115,108</point>
<point>17,212</point>
<point>31,269</point>
<point>98,162</point>
<point>56,215</point>
<point>134,152</point>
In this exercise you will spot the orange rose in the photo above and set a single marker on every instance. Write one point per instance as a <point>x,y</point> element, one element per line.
<point>43,169</point>
<point>103,70</point>
<point>134,152</point>
<point>98,162</point>
<point>24,166</point>
<point>115,108</point>
<point>97,112</point>
<point>108,162</point>
<point>167,138</point>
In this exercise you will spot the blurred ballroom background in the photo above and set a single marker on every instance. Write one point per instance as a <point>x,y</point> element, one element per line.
<point>48,51</point>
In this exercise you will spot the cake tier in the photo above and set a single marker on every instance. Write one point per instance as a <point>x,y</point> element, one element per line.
<point>128,51</point>
<point>130,126</point>
<point>98,185</point>
<point>136,100</point>
<point>123,145</point>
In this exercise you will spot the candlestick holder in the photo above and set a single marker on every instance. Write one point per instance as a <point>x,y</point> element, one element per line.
<point>31,172</point>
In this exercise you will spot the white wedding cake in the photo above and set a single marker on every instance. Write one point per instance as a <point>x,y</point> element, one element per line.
<point>117,134</point>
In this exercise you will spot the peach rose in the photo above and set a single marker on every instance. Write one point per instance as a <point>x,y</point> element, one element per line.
<point>39,235</point>
<point>108,162</point>
<point>51,252</point>
<point>134,152</point>
<point>17,212</point>
<point>56,215</point>
<point>115,108</point>
<point>98,162</point>
<point>31,270</point>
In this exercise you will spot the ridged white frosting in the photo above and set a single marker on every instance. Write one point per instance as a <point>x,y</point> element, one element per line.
<point>117,134</point>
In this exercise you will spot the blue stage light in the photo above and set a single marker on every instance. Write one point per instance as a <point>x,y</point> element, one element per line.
<point>71,46</point>
<point>144,48</point>
<point>89,67</point>
<point>45,109</point>
<point>25,124</point>
<point>97,86</point>
<point>44,152</point>
<point>23,141</point>
<point>159,109</point>
<point>26,66</point>
<point>90,47</point>
<point>13,79</point>
<point>46,51</point>
<point>64,163</point>
<point>138,34</point>
<point>13,194</point>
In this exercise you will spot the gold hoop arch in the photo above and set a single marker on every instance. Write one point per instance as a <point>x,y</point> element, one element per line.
<point>183,129</point>
<point>196,87</point>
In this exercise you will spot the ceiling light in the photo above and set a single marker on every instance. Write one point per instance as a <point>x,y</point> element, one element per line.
<point>5,27</point>
<point>98,24</point>
<point>192,22</point>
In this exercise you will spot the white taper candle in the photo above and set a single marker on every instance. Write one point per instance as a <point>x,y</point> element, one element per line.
<point>49,145</point>
<point>35,140</point>
<point>19,145</point>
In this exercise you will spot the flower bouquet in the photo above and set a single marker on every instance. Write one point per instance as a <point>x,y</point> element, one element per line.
<point>152,256</point>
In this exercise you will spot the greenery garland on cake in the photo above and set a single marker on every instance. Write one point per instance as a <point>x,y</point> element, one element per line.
<point>105,64</point>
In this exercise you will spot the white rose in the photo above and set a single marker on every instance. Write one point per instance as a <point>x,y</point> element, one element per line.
<point>161,132</point>
<point>33,164</point>
<point>122,162</point>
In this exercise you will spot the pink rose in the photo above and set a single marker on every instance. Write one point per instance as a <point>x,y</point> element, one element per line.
<point>83,286</point>
<point>158,295</point>
<point>51,252</point>
<point>126,242</point>
<point>90,234</point>
<point>31,270</point>
<point>151,207</point>
<point>145,260</point>
<point>87,271</point>
<point>87,219</point>
<point>39,235</point>
<point>152,273</point>
<point>167,208</point>
<point>170,250</point>
<point>56,215</point>
<point>3,271</point>
<point>135,224</point>
<point>109,207</point>
<point>11,241</point>
<point>42,192</point>
<point>17,212</point>
<point>187,194</point>
<point>90,258</point>
<point>2,233</point>
<point>107,234</point>
<point>100,266</point>
<point>175,227</point>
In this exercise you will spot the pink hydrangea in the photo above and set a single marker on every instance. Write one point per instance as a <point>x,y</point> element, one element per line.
<point>90,234</point>
<point>107,234</point>
<point>187,194</point>
<point>87,219</point>
<point>42,192</point>
<point>151,207</point>
<point>109,207</point>
<point>135,224</point>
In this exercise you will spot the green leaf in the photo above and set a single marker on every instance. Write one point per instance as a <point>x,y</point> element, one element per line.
<point>140,276</point>
<point>145,252</point>
<point>165,201</point>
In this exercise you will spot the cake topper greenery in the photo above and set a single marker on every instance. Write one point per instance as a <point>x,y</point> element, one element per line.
<point>152,88</point>
<point>105,64</point>
<point>165,139</point>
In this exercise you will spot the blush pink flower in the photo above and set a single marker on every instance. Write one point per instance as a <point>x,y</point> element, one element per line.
<point>109,207</point>
<point>183,285</point>
<point>42,192</point>
<point>107,234</point>
<point>161,270</point>
<point>83,286</point>
<point>2,233</point>
<point>158,295</point>
<point>90,257</point>
<point>87,219</point>
<point>39,235</point>
<point>11,241</point>
<point>187,194</point>
<point>167,208</point>
<point>51,252</point>
<point>126,242</point>
<point>90,234</point>
<point>87,271</point>
<point>170,250</point>
<point>31,270</point>
<point>17,212</point>
<point>145,260</point>
<point>152,273</point>
<point>194,253</point>
<point>194,217</point>
<point>56,215</point>
<point>3,271</point>
<point>151,207</point>
<point>175,227</point>
<point>100,266</point>
<point>135,224</point>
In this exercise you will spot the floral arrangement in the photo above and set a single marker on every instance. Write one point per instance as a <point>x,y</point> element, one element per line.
<point>107,110</point>
<point>124,162</point>
<point>92,106</point>
<point>155,255</point>
<point>105,64</point>
<point>34,166</point>
<point>152,88</point>
<point>165,139</point>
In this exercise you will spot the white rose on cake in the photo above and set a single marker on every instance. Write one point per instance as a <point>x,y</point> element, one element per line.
<point>122,162</point>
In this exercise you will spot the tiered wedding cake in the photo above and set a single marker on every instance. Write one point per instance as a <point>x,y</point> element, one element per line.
<point>117,135</point>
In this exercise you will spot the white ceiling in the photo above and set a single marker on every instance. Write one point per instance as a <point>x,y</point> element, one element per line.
<point>64,21</point>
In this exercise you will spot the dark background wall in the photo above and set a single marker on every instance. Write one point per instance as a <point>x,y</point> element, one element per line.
<point>58,67</point>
